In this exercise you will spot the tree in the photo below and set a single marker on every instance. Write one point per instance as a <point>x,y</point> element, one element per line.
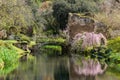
<point>61,9</point>
<point>15,13</point>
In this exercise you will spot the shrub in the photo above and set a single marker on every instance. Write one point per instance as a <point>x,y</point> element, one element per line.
<point>15,13</point>
<point>114,44</point>
<point>9,60</point>
<point>50,23</point>
<point>60,12</point>
<point>111,19</point>
<point>115,62</point>
<point>46,21</point>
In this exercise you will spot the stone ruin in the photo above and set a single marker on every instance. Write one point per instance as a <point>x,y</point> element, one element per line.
<point>79,24</point>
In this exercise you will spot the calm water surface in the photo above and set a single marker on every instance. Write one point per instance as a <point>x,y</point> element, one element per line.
<point>44,68</point>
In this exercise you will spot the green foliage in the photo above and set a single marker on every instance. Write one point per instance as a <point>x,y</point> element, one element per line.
<point>44,20</point>
<point>60,12</point>
<point>114,44</point>
<point>52,40</point>
<point>61,8</point>
<point>115,58</point>
<point>15,13</point>
<point>1,64</point>
<point>36,1</point>
<point>10,59</point>
<point>23,37</point>
<point>102,54</point>
<point>88,6</point>
<point>9,56</point>
<point>116,68</point>
<point>51,50</point>
<point>48,21</point>
<point>53,47</point>
<point>34,5</point>
<point>115,62</point>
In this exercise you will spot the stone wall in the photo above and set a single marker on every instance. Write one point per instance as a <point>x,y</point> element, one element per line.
<point>77,24</point>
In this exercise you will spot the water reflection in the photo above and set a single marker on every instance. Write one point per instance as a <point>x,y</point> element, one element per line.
<point>85,69</point>
<point>43,68</point>
<point>59,68</point>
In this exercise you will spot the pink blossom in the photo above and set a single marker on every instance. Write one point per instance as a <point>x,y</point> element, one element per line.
<point>89,40</point>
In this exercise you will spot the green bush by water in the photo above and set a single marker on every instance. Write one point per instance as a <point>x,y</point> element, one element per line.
<point>114,44</point>
<point>51,50</point>
<point>9,58</point>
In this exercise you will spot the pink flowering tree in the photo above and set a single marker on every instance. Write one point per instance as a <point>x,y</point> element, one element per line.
<point>87,41</point>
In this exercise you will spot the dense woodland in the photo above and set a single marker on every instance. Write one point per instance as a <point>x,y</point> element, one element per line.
<point>29,28</point>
